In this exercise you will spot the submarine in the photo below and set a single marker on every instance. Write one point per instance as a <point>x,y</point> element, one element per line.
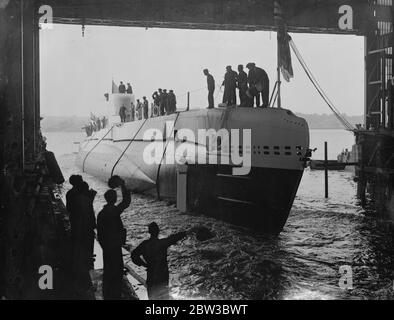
<point>242,165</point>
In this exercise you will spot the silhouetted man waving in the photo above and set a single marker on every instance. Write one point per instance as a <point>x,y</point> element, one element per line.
<point>152,254</point>
<point>111,236</point>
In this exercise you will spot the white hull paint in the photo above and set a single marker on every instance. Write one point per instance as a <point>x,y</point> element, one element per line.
<point>279,144</point>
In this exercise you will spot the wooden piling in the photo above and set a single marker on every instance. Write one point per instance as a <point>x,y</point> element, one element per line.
<point>325,170</point>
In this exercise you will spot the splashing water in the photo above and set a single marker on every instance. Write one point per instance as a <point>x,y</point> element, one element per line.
<point>303,262</point>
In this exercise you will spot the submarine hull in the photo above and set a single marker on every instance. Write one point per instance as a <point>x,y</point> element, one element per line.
<point>261,198</point>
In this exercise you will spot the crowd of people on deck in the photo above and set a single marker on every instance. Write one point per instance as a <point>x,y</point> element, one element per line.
<point>95,124</point>
<point>111,235</point>
<point>123,89</point>
<point>164,103</point>
<point>253,90</point>
<point>253,87</point>
<point>344,156</point>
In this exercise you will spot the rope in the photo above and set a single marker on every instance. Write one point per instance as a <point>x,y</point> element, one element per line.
<point>195,90</point>
<point>272,95</point>
<point>164,153</point>
<point>202,88</point>
<point>276,97</point>
<point>84,160</point>
<point>348,126</point>
<point>219,91</point>
<point>124,151</point>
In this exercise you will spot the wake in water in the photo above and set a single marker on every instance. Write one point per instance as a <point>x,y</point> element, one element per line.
<point>302,263</point>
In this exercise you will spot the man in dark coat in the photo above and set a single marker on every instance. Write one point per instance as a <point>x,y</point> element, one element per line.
<point>129,89</point>
<point>90,221</point>
<point>152,254</point>
<point>76,182</point>
<point>138,109</point>
<point>79,204</point>
<point>165,101</point>
<point>82,231</point>
<point>230,85</point>
<point>211,88</point>
<point>122,113</point>
<point>98,123</point>
<point>161,102</point>
<point>145,106</point>
<point>111,236</point>
<point>258,84</point>
<point>242,84</point>
<point>122,88</point>
<point>172,101</point>
<point>132,112</point>
<point>155,97</point>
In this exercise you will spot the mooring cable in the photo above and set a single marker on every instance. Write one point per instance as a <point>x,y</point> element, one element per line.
<point>84,160</point>
<point>164,152</point>
<point>272,94</point>
<point>321,92</point>
<point>124,151</point>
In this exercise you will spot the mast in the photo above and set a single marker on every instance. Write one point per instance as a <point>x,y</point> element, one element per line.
<point>278,17</point>
<point>279,102</point>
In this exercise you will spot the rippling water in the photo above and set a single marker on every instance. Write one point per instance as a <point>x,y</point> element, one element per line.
<point>320,236</point>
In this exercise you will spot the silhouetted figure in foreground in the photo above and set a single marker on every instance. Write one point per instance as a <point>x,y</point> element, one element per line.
<point>89,222</point>
<point>111,236</point>
<point>122,88</point>
<point>211,88</point>
<point>83,236</point>
<point>152,254</point>
<point>82,219</point>
<point>76,182</point>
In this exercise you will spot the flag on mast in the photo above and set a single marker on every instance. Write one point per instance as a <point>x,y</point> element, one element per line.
<point>115,88</point>
<point>284,54</point>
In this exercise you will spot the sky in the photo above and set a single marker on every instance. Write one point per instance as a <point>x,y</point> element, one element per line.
<point>76,71</point>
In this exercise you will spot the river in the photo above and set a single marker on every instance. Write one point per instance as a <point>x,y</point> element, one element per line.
<point>323,239</point>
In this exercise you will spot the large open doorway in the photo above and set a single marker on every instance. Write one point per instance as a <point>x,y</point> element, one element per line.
<point>78,64</point>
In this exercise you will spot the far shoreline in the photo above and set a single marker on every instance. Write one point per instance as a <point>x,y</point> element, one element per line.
<point>81,131</point>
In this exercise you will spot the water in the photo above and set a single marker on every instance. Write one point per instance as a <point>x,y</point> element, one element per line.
<point>320,237</point>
